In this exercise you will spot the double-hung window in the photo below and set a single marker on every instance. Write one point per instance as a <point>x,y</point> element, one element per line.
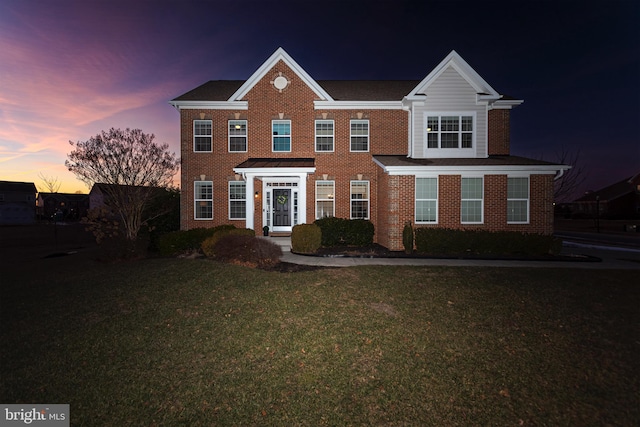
<point>450,131</point>
<point>237,200</point>
<point>325,195</point>
<point>518,200</point>
<point>203,199</point>
<point>202,136</point>
<point>426,200</point>
<point>359,135</point>
<point>471,205</point>
<point>281,130</point>
<point>237,136</point>
<point>359,199</point>
<point>324,135</point>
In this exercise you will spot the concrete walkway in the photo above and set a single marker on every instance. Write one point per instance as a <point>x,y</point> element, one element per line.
<point>612,258</point>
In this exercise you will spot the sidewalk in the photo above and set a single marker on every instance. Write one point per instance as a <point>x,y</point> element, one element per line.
<point>612,258</point>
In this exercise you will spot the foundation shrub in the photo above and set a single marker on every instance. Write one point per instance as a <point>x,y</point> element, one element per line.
<point>306,238</point>
<point>345,232</point>
<point>177,242</point>
<point>247,250</point>
<point>442,241</point>
<point>208,245</point>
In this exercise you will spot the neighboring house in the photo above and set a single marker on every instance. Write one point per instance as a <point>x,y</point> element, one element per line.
<point>17,203</point>
<point>68,206</point>
<point>281,148</point>
<point>616,201</point>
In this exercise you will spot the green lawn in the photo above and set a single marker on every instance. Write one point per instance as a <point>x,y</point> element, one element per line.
<point>168,342</point>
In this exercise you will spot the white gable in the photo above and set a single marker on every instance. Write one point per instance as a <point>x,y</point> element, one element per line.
<point>280,55</point>
<point>460,65</point>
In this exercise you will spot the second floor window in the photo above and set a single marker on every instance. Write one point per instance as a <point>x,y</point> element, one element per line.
<point>281,130</point>
<point>237,136</point>
<point>450,131</point>
<point>359,135</point>
<point>202,136</point>
<point>324,135</point>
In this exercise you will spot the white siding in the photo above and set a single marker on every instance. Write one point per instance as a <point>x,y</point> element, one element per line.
<point>450,92</point>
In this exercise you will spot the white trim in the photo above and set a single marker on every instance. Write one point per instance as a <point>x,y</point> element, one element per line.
<point>210,105</point>
<point>359,105</point>
<point>368,199</point>
<point>428,171</point>
<point>202,136</point>
<point>464,69</point>
<point>528,200</point>
<point>332,199</point>
<point>230,184</point>
<point>458,152</point>
<point>283,121</point>
<point>368,122</point>
<point>201,200</point>
<point>279,55</point>
<point>472,200</point>
<point>333,135</point>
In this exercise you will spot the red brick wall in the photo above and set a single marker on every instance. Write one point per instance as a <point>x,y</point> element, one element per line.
<point>388,132</point>
<point>499,132</point>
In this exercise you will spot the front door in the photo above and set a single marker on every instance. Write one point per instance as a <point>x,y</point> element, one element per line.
<point>281,208</point>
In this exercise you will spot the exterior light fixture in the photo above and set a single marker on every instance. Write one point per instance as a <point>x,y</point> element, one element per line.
<point>256,195</point>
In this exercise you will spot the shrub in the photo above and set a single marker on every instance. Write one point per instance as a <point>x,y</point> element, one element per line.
<point>407,238</point>
<point>442,241</point>
<point>340,231</point>
<point>208,244</point>
<point>182,241</point>
<point>247,250</point>
<point>306,238</point>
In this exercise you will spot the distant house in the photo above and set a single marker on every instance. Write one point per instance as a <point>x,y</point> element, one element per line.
<point>17,202</point>
<point>69,206</point>
<point>616,201</point>
<point>282,148</point>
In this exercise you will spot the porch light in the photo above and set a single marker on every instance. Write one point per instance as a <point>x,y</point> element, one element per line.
<point>256,195</point>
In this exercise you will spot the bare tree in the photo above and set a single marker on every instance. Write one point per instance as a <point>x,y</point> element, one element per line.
<point>132,166</point>
<point>566,187</point>
<point>50,183</point>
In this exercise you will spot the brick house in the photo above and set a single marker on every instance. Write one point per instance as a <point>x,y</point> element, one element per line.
<point>281,148</point>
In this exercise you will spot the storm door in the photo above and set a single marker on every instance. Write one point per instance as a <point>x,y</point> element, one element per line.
<point>281,208</point>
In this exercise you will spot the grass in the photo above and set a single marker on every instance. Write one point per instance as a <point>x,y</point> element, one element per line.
<point>199,343</point>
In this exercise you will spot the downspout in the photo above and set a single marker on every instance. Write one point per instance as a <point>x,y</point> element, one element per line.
<point>410,122</point>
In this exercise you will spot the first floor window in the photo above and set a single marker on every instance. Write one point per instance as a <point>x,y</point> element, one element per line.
<point>325,195</point>
<point>202,136</point>
<point>449,131</point>
<point>237,135</point>
<point>359,199</point>
<point>426,200</point>
<point>518,200</point>
<point>237,200</point>
<point>324,135</point>
<point>281,130</point>
<point>359,135</point>
<point>471,203</point>
<point>203,200</point>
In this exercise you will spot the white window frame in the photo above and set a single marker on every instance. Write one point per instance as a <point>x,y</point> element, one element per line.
<point>367,199</point>
<point>462,200</point>
<point>332,136</point>
<point>330,198</point>
<point>351,135</point>
<point>519,199</point>
<point>236,200</point>
<point>235,123</point>
<point>273,136</point>
<point>439,132</point>
<point>197,200</point>
<point>418,200</point>
<point>210,136</point>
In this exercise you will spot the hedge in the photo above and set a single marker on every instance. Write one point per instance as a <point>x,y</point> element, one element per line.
<point>345,232</point>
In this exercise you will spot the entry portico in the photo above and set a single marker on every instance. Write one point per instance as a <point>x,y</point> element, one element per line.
<point>279,187</point>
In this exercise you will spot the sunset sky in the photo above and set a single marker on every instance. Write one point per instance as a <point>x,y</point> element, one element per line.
<point>71,68</point>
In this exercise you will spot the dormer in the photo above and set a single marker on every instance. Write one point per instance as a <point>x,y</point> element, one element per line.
<point>450,112</point>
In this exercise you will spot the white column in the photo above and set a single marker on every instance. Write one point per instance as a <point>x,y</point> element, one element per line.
<point>250,201</point>
<point>302,199</point>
